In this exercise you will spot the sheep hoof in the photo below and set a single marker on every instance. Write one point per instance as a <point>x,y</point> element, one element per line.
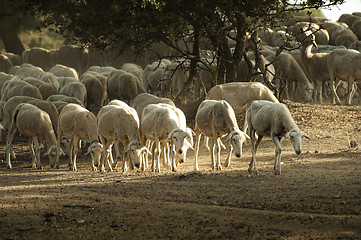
<point>277,172</point>
<point>9,166</point>
<point>94,169</point>
<point>174,169</point>
<point>254,171</point>
<point>219,167</point>
<point>72,168</point>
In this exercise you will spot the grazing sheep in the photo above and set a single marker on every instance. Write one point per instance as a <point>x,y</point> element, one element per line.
<point>153,75</point>
<point>64,98</point>
<point>39,57</point>
<point>240,102</point>
<point>75,89</point>
<point>344,65</point>
<point>60,70</point>
<point>12,103</point>
<point>144,99</point>
<point>160,123</point>
<point>135,69</point>
<point>5,63</point>
<point>287,68</point>
<point>315,65</point>
<point>35,124</point>
<point>4,77</point>
<point>267,118</point>
<point>46,89</point>
<point>105,71</point>
<point>65,80</point>
<point>28,70</point>
<point>96,90</point>
<point>119,123</point>
<point>15,59</point>
<point>123,86</point>
<point>216,119</point>
<point>18,87</point>
<point>73,56</point>
<point>322,36</point>
<point>77,123</point>
<point>49,78</point>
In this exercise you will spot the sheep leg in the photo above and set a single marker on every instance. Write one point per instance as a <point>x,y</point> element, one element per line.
<point>148,145</point>
<point>75,153</point>
<point>334,83</point>
<point>124,163</point>
<point>157,157</point>
<point>351,90</point>
<point>196,149</point>
<point>117,154</point>
<point>9,141</point>
<point>71,153</point>
<point>212,155</point>
<point>172,150</point>
<point>32,152</point>
<point>104,153</point>
<point>277,166</point>
<point>56,163</point>
<point>252,165</point>
<point>228,160</point>
<point>37,152</point>
<point>153,157</point>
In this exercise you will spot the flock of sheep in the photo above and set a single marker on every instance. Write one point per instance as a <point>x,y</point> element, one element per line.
<point>61,97</point>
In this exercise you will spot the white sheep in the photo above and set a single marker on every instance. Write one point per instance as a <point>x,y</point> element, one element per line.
<point>240,95</point>
<point>17,87</point>
<point>216,119</point>
<point>144,99</point>
<point>160,124</point>
<point>64,98</point>
<point>96,88</point>
<point>315,65</point>
<point>60,70</point>
<point>75,89</point>
<point>344,64</point>
<point>35,124</point>
<point>119,123</point>
<point>135,69</point>
<point>28,70</point>
<point>39,57</point>
<point>267,118</point>
<point>77,123</point>
<point>11,104</point>
<point>124,86</point>
<point>46,89</point>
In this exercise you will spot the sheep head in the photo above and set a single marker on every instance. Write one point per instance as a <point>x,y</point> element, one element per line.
<point>178,137</point>
<point>236,139</point>
<point>135,152</point>
<point>95,149</point>
<point>296,139</point>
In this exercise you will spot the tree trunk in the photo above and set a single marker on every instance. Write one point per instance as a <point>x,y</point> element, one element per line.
<point>12,42</point>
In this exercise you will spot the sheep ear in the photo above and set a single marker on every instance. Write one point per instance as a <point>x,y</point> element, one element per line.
<point>186,142</point>
<point>288,134</point>
<point>170,135</point>
<point>229,137</point>
<point>306,136</point>
<point>246,135</point>
<point>144,149</point>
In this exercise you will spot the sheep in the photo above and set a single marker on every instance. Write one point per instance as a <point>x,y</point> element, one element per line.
<point>96,89</point>
<point>46,89</point>
<point>75,89</point>
<point>4,77</point>
<point>240,102</point>
<point>144,99</point>
<point>216,119</point>
<point>322,36</point>
<point>60,70</point>
<point>119,123</point>
<point>288,69</point>
<point>105,71</point>
<point>266,118</point>
<point>64,98</point>
<point>28,70</point>
<point>153,77</point>
<point>315,65</point>
<point>49,78</point>
<point>5,63</point>
<point>161,124</point>
<point>73,56</point>
<point>356,45</point>
<point>135,69</point>
<point>35,124</point>
<point>344,65</point>
<point>123,86</point>
<point>17,87</point>
<point>65,80</point>
<point>15,59</point>
<point>12,103</point>
<point>39,57</point>
<point>77,123</point>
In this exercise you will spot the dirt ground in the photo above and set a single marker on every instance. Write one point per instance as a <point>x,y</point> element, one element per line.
<point>317,196</point>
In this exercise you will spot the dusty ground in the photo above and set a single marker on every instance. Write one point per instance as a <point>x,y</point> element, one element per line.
<point>318,195</point>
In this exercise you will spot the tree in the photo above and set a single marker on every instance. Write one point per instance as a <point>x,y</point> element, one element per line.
<point>136,24</point>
